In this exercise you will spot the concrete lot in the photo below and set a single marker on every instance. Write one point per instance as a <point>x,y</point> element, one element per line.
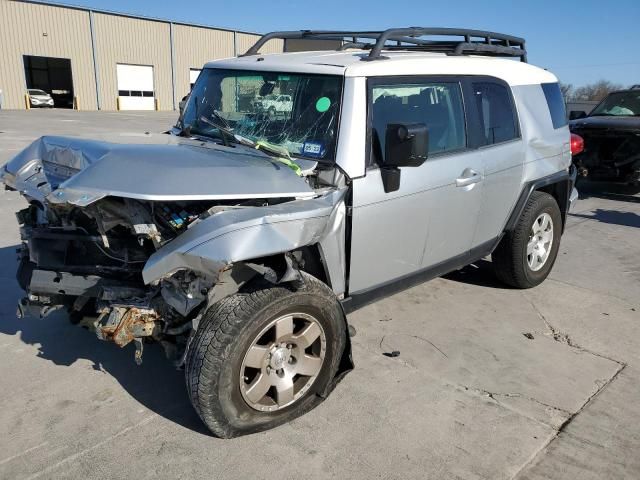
<point>469,397</point>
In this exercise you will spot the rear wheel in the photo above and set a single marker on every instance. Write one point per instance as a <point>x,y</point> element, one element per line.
<point>526,255</point>
<point>261,357</point>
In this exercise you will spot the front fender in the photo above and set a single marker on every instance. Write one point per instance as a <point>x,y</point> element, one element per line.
<point>236,235</point>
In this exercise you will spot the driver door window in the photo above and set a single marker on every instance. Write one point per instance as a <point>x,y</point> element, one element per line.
<point>438,105</point>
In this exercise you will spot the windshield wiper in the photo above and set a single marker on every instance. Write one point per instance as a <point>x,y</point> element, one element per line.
<point>226,134</point>
<point>280,154</point>
<point>221,119</point>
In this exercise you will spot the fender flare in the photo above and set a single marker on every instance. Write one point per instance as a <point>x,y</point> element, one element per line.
<point>566,177</point>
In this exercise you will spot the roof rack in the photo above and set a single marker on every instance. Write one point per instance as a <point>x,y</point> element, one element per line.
<point>476,42</point>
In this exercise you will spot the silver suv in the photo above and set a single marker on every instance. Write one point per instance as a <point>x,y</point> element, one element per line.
<point>240,240</point>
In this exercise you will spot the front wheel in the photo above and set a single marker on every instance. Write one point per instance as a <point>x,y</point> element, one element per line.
<point>525,256</point>
<point>261,358</point>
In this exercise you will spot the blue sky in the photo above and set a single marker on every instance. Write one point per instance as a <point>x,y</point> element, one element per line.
<point>580,41</point>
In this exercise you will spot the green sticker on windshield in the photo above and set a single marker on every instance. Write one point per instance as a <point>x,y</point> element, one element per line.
<point>323,104</point>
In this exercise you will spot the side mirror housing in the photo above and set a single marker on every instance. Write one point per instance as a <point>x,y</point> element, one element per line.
<point>406,145</point>
<point>577,114</point>
<point>267,89</point>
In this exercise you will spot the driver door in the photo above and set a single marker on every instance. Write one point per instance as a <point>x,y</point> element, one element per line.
<point>432,217</point>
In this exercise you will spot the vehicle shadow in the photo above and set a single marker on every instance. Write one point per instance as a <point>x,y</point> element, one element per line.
<point>614,217</point>
<point>479,273</point>
<point>608,191</point>
<point>156,384</point>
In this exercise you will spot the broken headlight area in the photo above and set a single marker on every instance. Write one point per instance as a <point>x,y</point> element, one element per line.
<point>89,261</point>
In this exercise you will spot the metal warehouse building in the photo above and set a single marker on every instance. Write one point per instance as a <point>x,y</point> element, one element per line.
<point>95,60</point>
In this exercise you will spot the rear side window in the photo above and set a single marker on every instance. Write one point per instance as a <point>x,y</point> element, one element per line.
<point>497,117</point>
<point>555,102</point>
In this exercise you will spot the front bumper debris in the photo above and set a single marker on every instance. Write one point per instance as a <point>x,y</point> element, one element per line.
<point>122,325</point>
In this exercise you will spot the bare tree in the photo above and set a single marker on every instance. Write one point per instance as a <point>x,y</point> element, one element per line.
<point>595,91</point>
<point>567,91</point>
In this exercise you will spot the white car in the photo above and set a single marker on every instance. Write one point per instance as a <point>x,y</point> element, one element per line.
<point>277,104</point>
<point>40,98</point>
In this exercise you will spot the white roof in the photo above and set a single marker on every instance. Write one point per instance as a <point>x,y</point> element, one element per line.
<point>350,64</point>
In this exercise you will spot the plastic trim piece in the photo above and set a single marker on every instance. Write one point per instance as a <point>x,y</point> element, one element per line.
<point>564,176</point>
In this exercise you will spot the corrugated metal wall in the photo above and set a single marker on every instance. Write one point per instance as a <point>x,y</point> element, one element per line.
<point>54,31</point>
<point>194,47</point>
<point>137,42</point>
<point>244,41</point>
<point>42,30</point>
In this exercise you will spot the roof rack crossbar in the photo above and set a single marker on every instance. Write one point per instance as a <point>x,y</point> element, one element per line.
<point>476,41</point>
<point>496,49</point>
<point>494,43</point>
<point>308,34</point>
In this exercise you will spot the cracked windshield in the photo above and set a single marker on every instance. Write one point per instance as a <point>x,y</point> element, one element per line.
<point>292,113</point>
<point>620,104</point>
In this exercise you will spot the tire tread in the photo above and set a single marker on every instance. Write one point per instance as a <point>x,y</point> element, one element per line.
<point>507,257</point>
<point>213,342</point>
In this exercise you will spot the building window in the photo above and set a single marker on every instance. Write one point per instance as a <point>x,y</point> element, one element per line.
<point>135,93</point>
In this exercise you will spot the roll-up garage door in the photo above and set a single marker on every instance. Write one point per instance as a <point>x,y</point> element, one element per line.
<point>193,76</point>
<point>135,87</point>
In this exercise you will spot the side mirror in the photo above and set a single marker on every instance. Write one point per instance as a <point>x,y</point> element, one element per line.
<point>406,145</point>
<point>577,114</point>
<point>267,89</point>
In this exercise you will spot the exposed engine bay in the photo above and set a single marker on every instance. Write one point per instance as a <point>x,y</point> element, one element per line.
<point>89,260</point>
<point>137,269</point>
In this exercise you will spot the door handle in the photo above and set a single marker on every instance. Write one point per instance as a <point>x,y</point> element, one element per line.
<point>469,177</point>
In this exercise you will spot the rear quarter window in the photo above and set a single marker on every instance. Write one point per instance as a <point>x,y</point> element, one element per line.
<point>555,102</point>
<point>497,115</point>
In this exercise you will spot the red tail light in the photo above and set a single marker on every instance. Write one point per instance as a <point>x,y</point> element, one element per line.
<point>577,144</point>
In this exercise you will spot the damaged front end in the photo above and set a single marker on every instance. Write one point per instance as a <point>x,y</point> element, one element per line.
<point>145,266</point>
<point>610,152</point>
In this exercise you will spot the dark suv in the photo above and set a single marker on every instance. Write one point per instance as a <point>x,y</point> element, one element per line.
<point>611,134</point>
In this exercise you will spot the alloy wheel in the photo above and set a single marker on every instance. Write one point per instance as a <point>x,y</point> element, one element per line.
<point>540,242</point>
<point>282,362</point>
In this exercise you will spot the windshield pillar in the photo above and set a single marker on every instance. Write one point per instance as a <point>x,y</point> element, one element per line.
<point>352,141</point>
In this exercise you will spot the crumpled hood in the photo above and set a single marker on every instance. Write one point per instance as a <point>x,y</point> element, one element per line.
<point>166,167</point>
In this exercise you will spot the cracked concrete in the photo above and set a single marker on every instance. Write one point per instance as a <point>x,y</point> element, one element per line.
<point>552,331</point>
<point>470,396</point>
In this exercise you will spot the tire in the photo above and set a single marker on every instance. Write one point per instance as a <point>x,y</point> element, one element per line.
<point>230,329</point>
<point>512,262</point>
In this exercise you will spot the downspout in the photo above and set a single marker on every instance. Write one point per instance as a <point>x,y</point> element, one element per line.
<point>173,66</point>
<point>235,43</point>
<point>95,61</point>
